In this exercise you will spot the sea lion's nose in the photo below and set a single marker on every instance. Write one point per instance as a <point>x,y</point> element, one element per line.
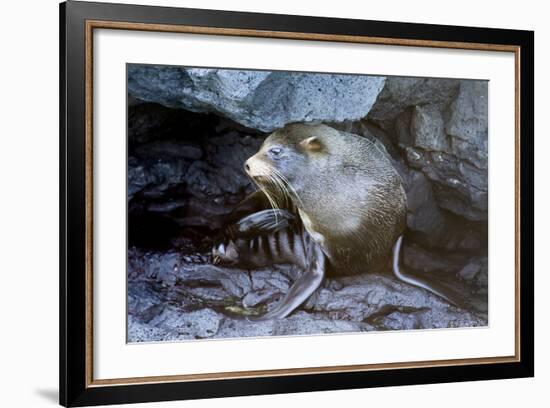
<point>246,166</point>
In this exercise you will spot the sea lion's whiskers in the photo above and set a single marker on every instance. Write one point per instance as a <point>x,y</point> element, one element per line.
<point>277,184</point>
<point>292,194</point>
<point>273,183</point>
<point>265,189</point>
<point>282,188</point>
<point>266,192</point>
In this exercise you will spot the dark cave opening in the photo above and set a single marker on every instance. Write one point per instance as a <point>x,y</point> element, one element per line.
<point>184,175</point>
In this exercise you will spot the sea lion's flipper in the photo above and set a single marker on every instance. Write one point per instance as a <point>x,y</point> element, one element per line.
<point>260,226</point>
<point>302,289</point>
<point>418,282</point>
<point>260,223</point>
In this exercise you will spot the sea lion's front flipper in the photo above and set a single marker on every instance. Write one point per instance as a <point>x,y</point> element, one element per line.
<point>260,223</point>
<point>252,227</point>
<point>302,289</point>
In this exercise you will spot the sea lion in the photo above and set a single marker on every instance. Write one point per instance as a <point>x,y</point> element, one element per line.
<point>338,207</point>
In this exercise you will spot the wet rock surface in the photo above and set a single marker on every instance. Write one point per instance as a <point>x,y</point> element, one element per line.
<point>185,174</point>
<point>170,297</point>
<point>263,100</point>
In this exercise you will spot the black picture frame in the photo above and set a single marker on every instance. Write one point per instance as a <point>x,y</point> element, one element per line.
<point>75,388</point>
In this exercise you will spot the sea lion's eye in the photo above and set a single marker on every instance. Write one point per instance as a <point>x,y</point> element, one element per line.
<point>275,151</point>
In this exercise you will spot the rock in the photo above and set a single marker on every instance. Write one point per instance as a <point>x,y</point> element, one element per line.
<point>171,149</point>
<point>441,126</point>
<point>371,297</point>
<point>428,128</point>
<point>402,129</point>
<point>467,124</point>
<point>476,272</point>
<point>300,323</point>
<point>458,186</point>
<point>208,301</point>
<point>147,121</point>
<point>423,214</point>
<point>153,177</point>
<point>259,100</point>
<point>272,279</point>
<point>370,131</point>
<point>252,299</point>
<point>422,260</point>
<point>235,282</point>
<point>141,332</point>
<point>159,266</point>
<point>400,93</point>
<point>239,328</point>
<point>202,323</point>
<point>305,323</point>
<point>470,271</point>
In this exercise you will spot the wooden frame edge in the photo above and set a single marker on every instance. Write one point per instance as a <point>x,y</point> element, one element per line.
<point>188,29</point>
<point>104,24</point>
<point>232,375</point>
<point>89,206</point>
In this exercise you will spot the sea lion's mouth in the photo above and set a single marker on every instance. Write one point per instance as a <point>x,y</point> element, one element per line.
<point>271,181</point>
<point>259,172</point>
<point>261,179</point>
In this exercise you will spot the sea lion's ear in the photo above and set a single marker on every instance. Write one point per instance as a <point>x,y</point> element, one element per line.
<point>313,144</point>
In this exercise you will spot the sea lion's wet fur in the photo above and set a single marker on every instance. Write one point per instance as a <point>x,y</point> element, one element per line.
<point>345,189</point>
<point>343,200</point>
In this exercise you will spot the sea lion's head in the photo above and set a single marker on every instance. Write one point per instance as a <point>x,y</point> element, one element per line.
<point>283,164</point>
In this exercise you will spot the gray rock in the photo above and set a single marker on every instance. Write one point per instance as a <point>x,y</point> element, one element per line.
<point>301,323</point>
<point>239,328</point>
<point>235,282</point>
<point>402,129</point>
<point>212,302</point>
<point>468,122</point>
<point>458,186</point>
<point>476,272</point>
<point>422,260</point>
<point>260,100</point>
<point>441,125</point>
<point>423,214</point>
<point>454,189</point>
<point>141,332</point>
<point>368,130</point>
<point>155,177</point>
<point>159,266</point>
<point>252,299</point>
<point>172,149</point>
<point>428,128</point>
<point>400,93</point>
<point>470,271</point>
<point>202,323</point>
<point>146,121</point>
<point>371,297</point>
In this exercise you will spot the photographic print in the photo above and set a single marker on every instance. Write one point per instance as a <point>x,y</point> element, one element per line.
<point>241,192</point>
<point>272,203</point>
